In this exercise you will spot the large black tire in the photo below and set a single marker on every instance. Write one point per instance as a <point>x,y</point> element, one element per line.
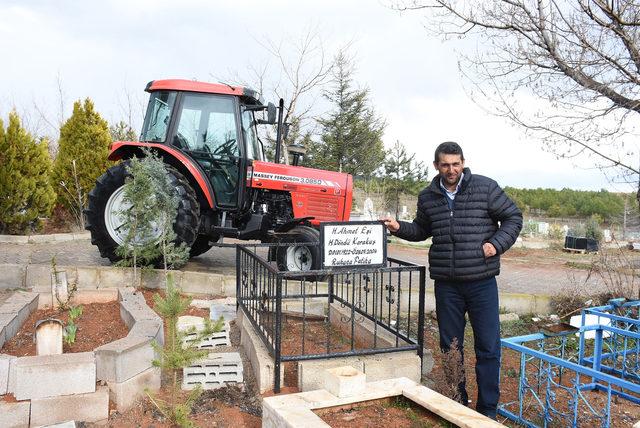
<point>185,226</point>
<point>201,245</point>
<point>299,257</point>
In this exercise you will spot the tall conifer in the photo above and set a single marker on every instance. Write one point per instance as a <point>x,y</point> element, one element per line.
<point>85,138</point>
<point>25,190</point>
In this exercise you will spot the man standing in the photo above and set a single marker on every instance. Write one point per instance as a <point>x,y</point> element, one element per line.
<point>472,221</point>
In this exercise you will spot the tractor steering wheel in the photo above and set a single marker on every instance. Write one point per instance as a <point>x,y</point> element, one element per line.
<point>226,148</point>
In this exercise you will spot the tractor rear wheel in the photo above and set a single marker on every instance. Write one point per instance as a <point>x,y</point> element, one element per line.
<point>304,253</point>
<point>106,201</point>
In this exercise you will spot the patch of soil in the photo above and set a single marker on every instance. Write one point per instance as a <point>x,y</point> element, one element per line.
<point>389,413</point>
<point>100,323</point>
<point>193,311</point>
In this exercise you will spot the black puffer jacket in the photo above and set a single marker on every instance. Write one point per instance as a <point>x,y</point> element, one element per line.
<point>456,252</point>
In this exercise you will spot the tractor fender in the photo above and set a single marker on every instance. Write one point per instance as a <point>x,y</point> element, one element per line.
<point>174,157</point>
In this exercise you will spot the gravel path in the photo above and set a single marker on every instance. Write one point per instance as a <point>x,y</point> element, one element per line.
<point>519,275</point>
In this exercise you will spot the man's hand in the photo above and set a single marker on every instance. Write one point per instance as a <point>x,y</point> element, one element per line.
<point>391,224</point>
<point>489,249</point>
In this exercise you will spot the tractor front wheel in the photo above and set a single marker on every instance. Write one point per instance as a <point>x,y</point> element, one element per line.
<point>106,202</point>
<point>304,252</point>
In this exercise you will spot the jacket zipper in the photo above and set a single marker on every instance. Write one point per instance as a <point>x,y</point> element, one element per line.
<point>453,245</point>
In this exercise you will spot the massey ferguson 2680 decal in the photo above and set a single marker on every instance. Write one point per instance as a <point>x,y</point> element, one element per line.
<point>293,179</point>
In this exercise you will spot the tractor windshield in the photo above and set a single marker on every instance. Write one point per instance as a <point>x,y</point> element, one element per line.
<point>156,121</point>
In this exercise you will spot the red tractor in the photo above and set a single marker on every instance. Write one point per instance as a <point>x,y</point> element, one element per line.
<point>206,135</point>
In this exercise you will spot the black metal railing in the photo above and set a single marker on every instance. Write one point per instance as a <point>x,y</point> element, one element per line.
<point>327,314</point>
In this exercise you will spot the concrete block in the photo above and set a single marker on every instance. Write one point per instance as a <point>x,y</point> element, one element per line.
<point>62,237</point>
<point>154,279</point>
<point>5,364</point>
<point>215,371</point>
<point>344,381</point>
<point>153,329</point>
<point>427,361</point>
<point>14,239</point>
<point>226,311</point>
<point>312,373</point>
<point>25,298</point>
<point>261,363</point>
<point>11,387</point>
<point>394,365</point>
<point>309,306</point>
<point>87,277</point>
<point>13,276</point>
<point>132,311</point>
<point>52,375</point>
<point>14,415</point>
<point>124,394</point>
<point>122,359</point>
<point>9,323</point>
<point>2,335</point>
<point>38,277</point>
<point>115,277</point>
<point>229,285</point>
<point>187,322</point>
<point>201,283</point>
<point>91,407</point>
<point>104,295</point>
<point>129,293</point>
<point>38,239</point>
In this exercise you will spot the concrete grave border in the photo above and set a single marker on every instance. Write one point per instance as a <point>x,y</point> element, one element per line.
<point>296,410</point>
<point>41,239</point>
<point>67,382</point>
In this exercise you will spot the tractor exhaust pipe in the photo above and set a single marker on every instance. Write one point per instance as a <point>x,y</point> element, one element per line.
<point>279,131</point>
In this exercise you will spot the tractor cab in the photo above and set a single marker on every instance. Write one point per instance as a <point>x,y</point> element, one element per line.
<point>214,125</point>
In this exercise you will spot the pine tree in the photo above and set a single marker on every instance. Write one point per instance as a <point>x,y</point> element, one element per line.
<point>121,131</point>
<point>403,174</point>
<point>351,136</point>
<point>25,190</point>
<point>85,139</point>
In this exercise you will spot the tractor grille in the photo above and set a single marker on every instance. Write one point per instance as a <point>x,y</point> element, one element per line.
<point>323,207</point>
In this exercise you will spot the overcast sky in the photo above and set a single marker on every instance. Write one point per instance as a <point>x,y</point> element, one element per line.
<point>106,49</point>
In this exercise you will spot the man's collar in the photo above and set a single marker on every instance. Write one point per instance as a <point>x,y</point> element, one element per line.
<point>457,185</point>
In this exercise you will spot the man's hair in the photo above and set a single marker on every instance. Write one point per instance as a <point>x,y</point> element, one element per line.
<point>448,148</point>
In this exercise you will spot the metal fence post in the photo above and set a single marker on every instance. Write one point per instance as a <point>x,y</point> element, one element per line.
<point>421,314</point>
<point>278,334</point>
<point>238,278</point>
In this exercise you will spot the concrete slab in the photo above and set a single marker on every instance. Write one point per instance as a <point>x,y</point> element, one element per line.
<point>344,381</point>
<point>152,329</point>
<point>394,365</point>
<point>52,375</point>
<point>226,311</point>
<point>122,359</point>
<point>312,373</point>
<point>91,407</point>
<point>67,424</point>
<point>15,415</point>
<point>9,323</point>
<point>125,394</point>
<point>38,277</point>
<point>201,283</point>
<point>87,277</point>
<point>13,276</point>
<point>5,362</point>
<point>215,371</point>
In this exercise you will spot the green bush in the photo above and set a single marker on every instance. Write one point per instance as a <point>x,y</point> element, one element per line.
<point>25,190</point>
<point>85,139</point>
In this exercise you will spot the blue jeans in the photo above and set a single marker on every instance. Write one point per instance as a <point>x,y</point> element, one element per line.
<point>480,300</point>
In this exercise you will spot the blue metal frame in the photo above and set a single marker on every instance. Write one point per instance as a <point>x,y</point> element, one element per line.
<point>553,385</point>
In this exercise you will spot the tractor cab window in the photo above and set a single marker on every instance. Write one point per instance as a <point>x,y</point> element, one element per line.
<point>254,150</point>
<point>156,121</point>
<point>207,123</point>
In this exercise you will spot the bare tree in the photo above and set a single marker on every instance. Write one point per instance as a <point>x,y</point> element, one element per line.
<point>566,71</point>
<point>300,71</point>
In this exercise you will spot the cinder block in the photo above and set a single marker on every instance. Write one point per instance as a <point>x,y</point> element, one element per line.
<point>9,323</point>
<point>13,276</point>
<point>153,329</point>
<point>122,359</point>
<point>14,415</point>
<point>110,276</point>
<point>215,371</point>
<point>132,311</point>
<point>312,373</point>
<point>38,277</point>
<point>91,407</point>
<point>344,381</point>
<point>125,394</point>
<point>216,340</point>
<point>52,375</point>
<point>5,363</point>
<point>201,283</point>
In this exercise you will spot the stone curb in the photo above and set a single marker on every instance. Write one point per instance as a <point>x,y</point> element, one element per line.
<point>42,239</point>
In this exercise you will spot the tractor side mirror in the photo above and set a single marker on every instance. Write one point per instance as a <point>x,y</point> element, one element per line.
<point>296,152</point>
<point>271,114</point>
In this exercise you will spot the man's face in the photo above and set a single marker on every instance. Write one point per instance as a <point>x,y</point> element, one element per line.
<point>450,168</point>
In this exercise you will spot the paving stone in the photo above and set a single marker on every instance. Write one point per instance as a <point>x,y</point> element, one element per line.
<point>14,415</point>
<point>90,407</point>
<point>122,359</point>
<point>215,371</point>
<point>52,375</point>
<point>124,394</point>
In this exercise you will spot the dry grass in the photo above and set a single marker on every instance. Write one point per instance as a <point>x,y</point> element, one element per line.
<point>448,380</point>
